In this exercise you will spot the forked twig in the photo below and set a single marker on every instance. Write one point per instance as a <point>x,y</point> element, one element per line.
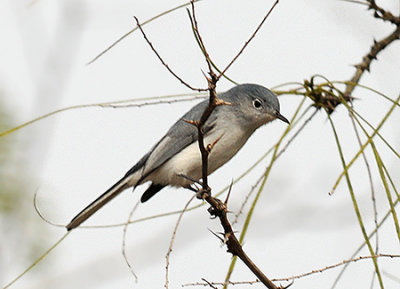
<point>218,208</point>
<point>248,41</point>
<point>134,29</point>
<point>162,60</point>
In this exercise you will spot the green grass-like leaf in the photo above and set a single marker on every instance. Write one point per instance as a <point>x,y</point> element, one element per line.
<point>355,204</point>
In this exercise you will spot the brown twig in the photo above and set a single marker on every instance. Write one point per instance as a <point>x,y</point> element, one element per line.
<point>382,13</point>
<point>162,60</point>
<point>134,29</point>
<point>300,275</point>
<point>171,243</point>
<point>123,247</point>
<point>248,41</point>
<point>209,283</point>
<point>377,47</point>
<point>196,31</point>
<point>218,208</point>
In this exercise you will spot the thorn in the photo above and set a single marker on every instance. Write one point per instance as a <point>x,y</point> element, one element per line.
<point>219,101</point>
<point>205,75</point>
<point>216,235</point>
<point>289,285</point>
<point>192,122</point>
<point>211,146</point>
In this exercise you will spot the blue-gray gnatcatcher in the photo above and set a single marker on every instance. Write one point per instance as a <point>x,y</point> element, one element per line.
<point>248,107</point>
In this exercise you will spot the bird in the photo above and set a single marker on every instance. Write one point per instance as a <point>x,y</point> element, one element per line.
<point>176,155</point>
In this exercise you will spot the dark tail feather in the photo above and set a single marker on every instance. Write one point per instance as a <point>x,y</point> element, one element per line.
<point>93,207</point>
<point>151,191</point>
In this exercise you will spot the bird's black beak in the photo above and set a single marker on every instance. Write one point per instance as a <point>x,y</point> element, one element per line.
<point>281,117</point>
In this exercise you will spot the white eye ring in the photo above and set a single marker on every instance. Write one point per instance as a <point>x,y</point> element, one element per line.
<point>257,104</point>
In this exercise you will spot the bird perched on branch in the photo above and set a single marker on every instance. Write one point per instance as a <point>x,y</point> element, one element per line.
<point>244,108</point>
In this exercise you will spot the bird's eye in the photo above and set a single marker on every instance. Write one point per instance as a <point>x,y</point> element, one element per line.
<point>257,104</point>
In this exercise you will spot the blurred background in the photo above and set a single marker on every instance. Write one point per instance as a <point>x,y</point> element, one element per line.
<point>71,157</point>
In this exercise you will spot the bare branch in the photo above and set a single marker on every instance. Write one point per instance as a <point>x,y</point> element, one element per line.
<point>163,62</point>
<point>300,275</point>
<point>123,248</point>
<point>209,284</point>
<point>367,59</point>
<point>195,28</point>
<point>218,208</point>
<point>134,29</point>
<point>382,13</point>
<point>248,41</point>
<point>171,243</point>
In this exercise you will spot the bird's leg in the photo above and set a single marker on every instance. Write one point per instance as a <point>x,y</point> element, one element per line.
<point>201,193</point>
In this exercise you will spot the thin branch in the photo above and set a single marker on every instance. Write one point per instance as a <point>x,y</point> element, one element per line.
<point>375,132</point>
<point>162,60</point>
<point>195,27</point>
<point>367,59</point>
<point>37,261</point>
<point>248,41</point>
<point>134,29</point>
<point>391,276</point>
<point>382,13</point>
<point>360,258</point>
<point>36,207</point>
<point>277,156</point>
<point>371,183</point>
<point>138,102</point>
<point>218,208</point>
<point>354,201</point>
<point>171,243</point>
<point>123,247</point>
<point>371,234</point>
<point>209,283</point>
<point>259,191</point>
<point>356,2</point>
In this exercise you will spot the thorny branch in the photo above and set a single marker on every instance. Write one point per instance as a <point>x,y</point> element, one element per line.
<point>383,14</point>
<point>218,208</point>
<point>323,98</point>
<point>376,48</point>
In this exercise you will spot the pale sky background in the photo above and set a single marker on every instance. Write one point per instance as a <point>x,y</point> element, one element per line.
<point>72,157</point>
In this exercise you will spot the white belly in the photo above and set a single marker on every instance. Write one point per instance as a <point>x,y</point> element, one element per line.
<point>188,161</point>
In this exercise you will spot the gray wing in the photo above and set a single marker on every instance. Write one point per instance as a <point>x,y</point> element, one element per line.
<point>178,137</point>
